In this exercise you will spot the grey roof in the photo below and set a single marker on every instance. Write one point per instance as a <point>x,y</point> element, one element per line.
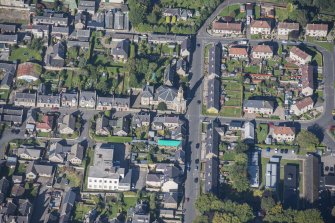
<point>119,20</point>
<point>40,28</point>
<point>312,174</point>
<point>7,28</point>
<point>121,124</point>
<point>291,192</point>
<point>97,22</point>
<point>86,5</point>
<point>148,91</point>
<point>77,151</point>
<point>166,119</point>
<point>75,43</point>
<point>68,121</point>
<point>214,63</point>
<point>212,139</point>
<point>138,118</point>
<point>55,55</point>
<point>51,20</point>
<point>181,65</point>
<point>211,175</point>
<point>154,177</point>
<point>60,30</point>
<point>38,169</point>
<point>11,114</point>
<point>166,93</point>
<point>122,48</point>
<point>83,33</point>
<point>258,104</point>
<point>51,99</point>
<point>162,38</point>
<point>169,74</point>
<point>66,152</point>
<point>25,97</point>
<point>32,152</point>
<point>68,202</point>
<point>101,123</point>
<point>170,198</point>
<point>109,20</point>
<point>4,189</point>
<point>8,38</point>
<point>113,101</point>
<point>69,97</point>
<point>9,73</point>
<point>213,94</point>
<point>87,95</point>
<point>271,175</point>
<point>186,44</point>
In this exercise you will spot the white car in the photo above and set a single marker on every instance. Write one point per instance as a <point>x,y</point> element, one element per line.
<point>276,150</point>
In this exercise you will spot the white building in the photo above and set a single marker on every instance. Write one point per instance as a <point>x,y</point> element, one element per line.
<point>260,27</point>
<point>299,56</point>
<point>317,30</point>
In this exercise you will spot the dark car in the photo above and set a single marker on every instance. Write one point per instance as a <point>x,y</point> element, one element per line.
<point>198,45</point>
<point>281,150</point>
<point>196,180</point>
<point>197,145</point>
<point>268,149</point>
<point>197,161</point>
<point>286,151</point>
<point>199,102</point>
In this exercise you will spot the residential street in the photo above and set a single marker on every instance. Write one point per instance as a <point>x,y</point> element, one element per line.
<point>194,116</point>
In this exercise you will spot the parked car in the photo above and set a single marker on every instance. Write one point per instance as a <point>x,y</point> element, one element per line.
<point>276,150</point>
<point>286,151</point>
<point>196,180</point>
<point>268,149</point>
<point>197,161</point>
<point>197,145</point>
<point>281,150</point>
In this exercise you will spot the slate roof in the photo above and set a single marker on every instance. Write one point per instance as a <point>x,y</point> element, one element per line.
<point>55,55</point>
<point>122,48</point>
<point>38,169</point>
<point>113,101</point>
<point>166,93</point>
<point>169,74</point>
<point>211,175</point>
<point>258,104</point>
<point>9,73</point>
<point>291,192</point>
<point>214,65</point>
<point>50,99</point>
<point>213,94</point>
<point>170,198</point>
<point>32,152</point>
<point>148,91</point>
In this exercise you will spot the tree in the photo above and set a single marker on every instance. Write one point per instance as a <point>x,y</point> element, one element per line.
<point>333,211</point>
<point>167,20</point>
<point>267,203</point>
<point>307,140</point>
<point>241,147</point>
<point>162,106</point>
<point>225,218</point>
<point>308,216</point>
<point>137,12</point>
<point>174,19</point>
<point>238,177</point>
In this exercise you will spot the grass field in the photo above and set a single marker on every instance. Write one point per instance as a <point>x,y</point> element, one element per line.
<point>80,211</point>
<point>24,55</point>
<point>115,139</point>
<point>262,132</point>
<point>233,11</point>
<point>281,14</point>
<point>233,90</point>
<point>231,112</point>
<point>4,94</point>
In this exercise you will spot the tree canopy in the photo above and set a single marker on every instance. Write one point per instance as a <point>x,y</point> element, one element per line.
<point>307,140</point>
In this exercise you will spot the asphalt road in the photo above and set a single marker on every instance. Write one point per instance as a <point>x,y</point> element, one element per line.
<point>194,116</point>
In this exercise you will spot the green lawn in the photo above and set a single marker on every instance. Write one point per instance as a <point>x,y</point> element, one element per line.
<point>80,211</point>
<point>327,45</point>
<point>251,69</point>
<point>130,202</point>
<point>115,139</point>
<point>25,54</point>
<point>43,134</point>
<point>21,169</point>
<point>262,131</point>
<point>229,155</point>
<point>233,11</point>
<point>281,14</point>
<point>4,94</point>
<point>231,112</point>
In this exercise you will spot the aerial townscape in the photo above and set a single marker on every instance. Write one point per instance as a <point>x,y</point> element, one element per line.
<point>167,111</point>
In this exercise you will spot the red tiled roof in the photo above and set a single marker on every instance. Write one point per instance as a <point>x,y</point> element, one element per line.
<point>323,27</point>
<point>27,69</point>
<point>288,25</point>
<point>46,123</point>
<point>227,26</point>
<point>304,103</point>
<point>299,52</point>
<point>262,49</point>
<point>238,51</point>
<point>260,24</point>
<point>283,130</point>
<point>307,76</point>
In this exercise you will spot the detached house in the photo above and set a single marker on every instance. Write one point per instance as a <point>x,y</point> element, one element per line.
<point>35,170</point>
<point>87,99</point>
<point>46,124</point>
<point>287,28</point>
<point>260,27</point>
<point>29,153</point>
<point>67,125</point>
<point>307,80</point>
<point>55,55</point>
<point>238,52</point>
<point>140,119</point>
<point>299,56</point>
<point>102,126</point>
<point>59,153</point>
<point>302,106</point>
<point>317,30</point>
<point>226,28</point>
<point>282,133</point>
<point>261,107</point>
<point>120,126</point>
<point>121,51</point>
<point>262,52</point>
